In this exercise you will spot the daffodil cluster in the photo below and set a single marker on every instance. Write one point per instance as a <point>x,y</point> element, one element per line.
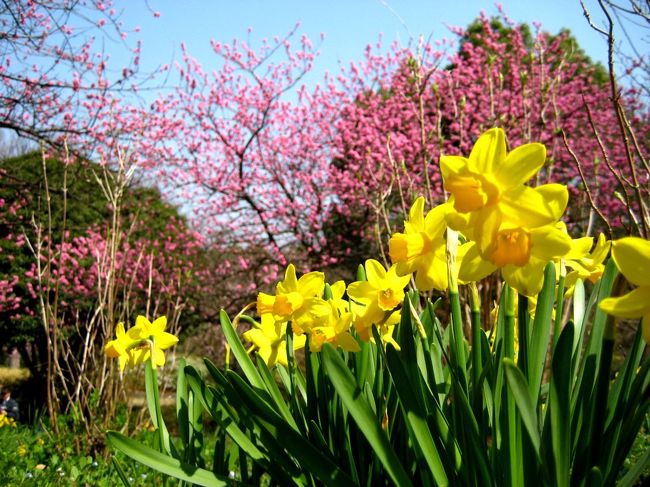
<point>300,303</point>
<point>6,420</point>
<point>144,341</point>
<point>507,225</point>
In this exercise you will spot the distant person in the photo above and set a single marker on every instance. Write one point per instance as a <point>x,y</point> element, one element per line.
<point>8,405</point>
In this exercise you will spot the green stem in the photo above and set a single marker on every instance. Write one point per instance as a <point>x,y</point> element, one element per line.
<point>559,309</point>
<point>602,391</point>
<point>156,414</point>
<point>477,361</point>
<point>511,418</point>
<point>522,325</point>
<point>458,339</point>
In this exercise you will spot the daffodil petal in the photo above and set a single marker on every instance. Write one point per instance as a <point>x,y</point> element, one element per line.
<point>290,282</point>
<point>526,280</point>
<point>158,325</point>
<point>489,151</point>
<point>433,272</point>
<point>311,284</point>
<point>632,257</point>
<point>375,272</point>
<point>528,207</point>
<point>549,243</point>
<point>338,289</point>
<point>580,247</point>
<point>347,342</point>
<point>634,304</point>
<point>521,164</point>
<point>473,267</point>
<point>488,221</point>
<point>362,291</point>
<point>434,222</point>
<point>452,165</point>
<point>416,213</point>
<point>165,340</point>
<point>556,197</point>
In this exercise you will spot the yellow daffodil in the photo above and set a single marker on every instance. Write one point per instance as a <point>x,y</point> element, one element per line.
<point>120,347</point>
<point>153,340</point>
<point>269,339</point>
<point>487,189</point>
<point>296,300</point>
<point>632,257</point>
<point>421,248</point>
<point>376,297</point>
<point>335,331</point>
<point>584,264</point>
<point>520,253</point>
<point>136,345</point>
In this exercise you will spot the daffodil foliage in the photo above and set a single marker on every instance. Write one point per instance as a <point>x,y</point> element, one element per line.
<point>395,379</point>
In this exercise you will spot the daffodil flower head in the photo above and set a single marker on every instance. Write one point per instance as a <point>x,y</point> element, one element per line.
<point>421,248</point>
<point>153,340</point>
<point>585,264</point>
<point>270,340</point>
<point>632,257</point>
<point>379,295</point>
<point>141,342</point>
<point>488,188</point>
<point>520,253</point>
<point>120,347</point>
<point>296,300</point>
<point>335,331</point>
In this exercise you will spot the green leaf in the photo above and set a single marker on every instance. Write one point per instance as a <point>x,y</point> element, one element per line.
<point>539,338</point>
<point>163,463</point>
<point>346,386</point>
<point>120,471</point>
<point>213,403</point>
<point>153,403</point>
<point>631,478</point>
<point>523,400</point>
<point>313,460</point>
<point>560,406</point>
<point>238,350</point>
<point>415,416</point>
<point>182,411</point>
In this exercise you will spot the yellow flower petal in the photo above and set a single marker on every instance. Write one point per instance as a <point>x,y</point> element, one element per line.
<point>526,280</point>
<point>549,243</point>
<point>530,207</point>
<point>290,282</point>
<point>632,257</point>
<point>473,267</point>
<point>432,273</point>
<point>338,289</point>
<point>165,340</point>
<point>489,151</point>
<point>416,213</point>
<point>521,164</point>
<point>450,165</point>
<point>375,272</point>
<point>159,325</point>
<point>362,291</point>
<point>311,284</point>
<point>634,304</point>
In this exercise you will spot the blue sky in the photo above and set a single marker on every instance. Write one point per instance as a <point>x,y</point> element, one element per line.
<point>348,25</point>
